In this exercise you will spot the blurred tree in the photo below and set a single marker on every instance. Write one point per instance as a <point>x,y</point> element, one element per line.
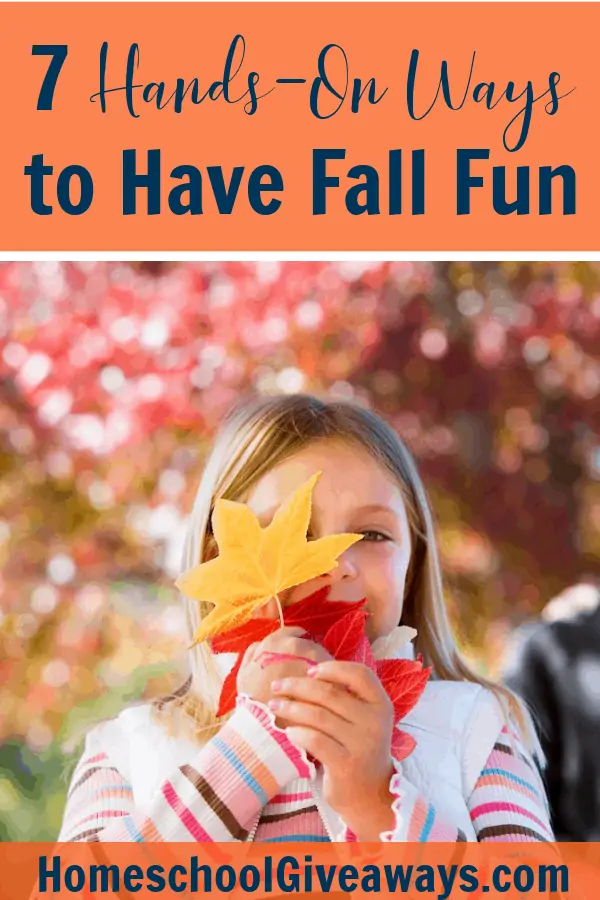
<point>493,378</point>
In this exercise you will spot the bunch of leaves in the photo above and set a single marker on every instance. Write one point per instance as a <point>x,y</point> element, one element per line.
<point>315,614</point>
<point>340,628</point>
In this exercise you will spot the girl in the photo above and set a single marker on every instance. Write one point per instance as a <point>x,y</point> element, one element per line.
<point>174,772</point>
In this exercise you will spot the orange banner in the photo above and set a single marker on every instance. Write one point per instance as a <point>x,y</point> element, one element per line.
<point>440,871</point>
<point>291,126</point>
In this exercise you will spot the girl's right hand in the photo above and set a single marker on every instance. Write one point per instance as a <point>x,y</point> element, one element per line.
<point>255,679</point>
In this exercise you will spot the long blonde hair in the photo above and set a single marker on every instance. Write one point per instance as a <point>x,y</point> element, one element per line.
<point>256,436</point>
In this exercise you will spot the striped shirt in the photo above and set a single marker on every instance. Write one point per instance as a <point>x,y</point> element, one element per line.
<point>251,781</point>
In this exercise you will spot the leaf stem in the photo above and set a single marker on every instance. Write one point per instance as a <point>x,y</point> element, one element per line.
<point>278,602</point>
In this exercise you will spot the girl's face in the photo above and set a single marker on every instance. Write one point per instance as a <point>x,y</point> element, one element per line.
<point>354,494</point>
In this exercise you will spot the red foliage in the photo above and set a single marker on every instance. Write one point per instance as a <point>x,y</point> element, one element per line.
<point>228,694</point>
<point>314,613</point>
<point>345,639</point>
<point>317,614</point>
<point>404,681</point>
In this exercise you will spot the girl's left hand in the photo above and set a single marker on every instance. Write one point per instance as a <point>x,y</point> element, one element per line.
<point>343,717</point>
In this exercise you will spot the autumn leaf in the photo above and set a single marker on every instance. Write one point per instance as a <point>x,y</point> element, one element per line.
<point>364,653</point>
<point>388,647</point>
<point>229,689</point>
<point>255,564</point>
<point>404,681</point>
<point>403,744</point>
<point>343,639</point>
<point>237,640</point>
<point>317,614</point>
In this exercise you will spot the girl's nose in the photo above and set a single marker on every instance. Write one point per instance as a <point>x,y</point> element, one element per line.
<point>344,571</point>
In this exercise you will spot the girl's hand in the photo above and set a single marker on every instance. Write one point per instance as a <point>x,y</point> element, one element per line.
<point>344,718</point>
<point>256,673</point>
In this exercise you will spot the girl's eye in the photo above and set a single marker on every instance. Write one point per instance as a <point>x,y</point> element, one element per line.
<point>376,536</point>
<point>373,536</point>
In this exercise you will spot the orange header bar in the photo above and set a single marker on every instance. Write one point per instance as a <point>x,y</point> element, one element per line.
<point>440,871</point>
<point>299,126</point>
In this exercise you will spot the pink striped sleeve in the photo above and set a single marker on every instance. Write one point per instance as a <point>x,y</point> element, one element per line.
<point>508,802</point>
<point>217,797</point>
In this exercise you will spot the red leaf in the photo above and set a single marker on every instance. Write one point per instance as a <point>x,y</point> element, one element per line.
<point>364,654</point>
<point>404,680</point>
<point>229,690</point>
<point>403,744</point>
<point>344,638</point>
<point>237,640</point>
<point>317,614</point>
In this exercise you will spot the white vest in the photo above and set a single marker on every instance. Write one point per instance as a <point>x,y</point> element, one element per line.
<point>455,725</point>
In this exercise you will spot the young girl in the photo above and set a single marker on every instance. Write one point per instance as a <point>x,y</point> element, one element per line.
<point>174,772</point>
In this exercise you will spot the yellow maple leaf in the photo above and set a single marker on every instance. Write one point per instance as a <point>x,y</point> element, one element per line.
<point>255,564</point>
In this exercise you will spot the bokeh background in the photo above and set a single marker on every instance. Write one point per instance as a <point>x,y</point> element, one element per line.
<point>113,378</point>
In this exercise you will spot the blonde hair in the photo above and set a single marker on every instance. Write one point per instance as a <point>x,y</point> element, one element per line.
<point>256,436</point>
